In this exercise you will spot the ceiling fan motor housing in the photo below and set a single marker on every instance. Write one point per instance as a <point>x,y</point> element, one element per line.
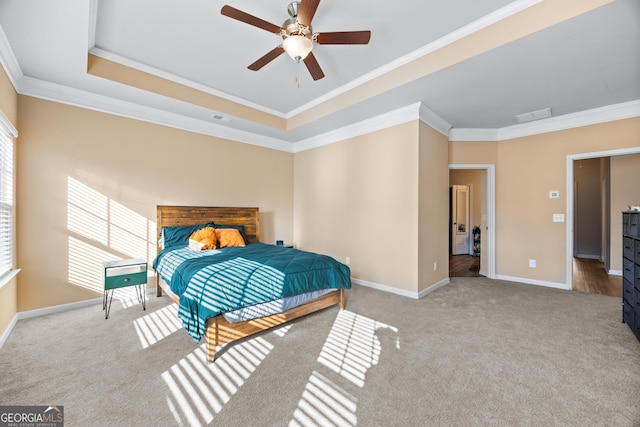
<point>291,27</point>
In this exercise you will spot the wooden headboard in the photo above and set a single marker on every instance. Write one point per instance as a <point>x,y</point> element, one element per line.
<point>191,215</point>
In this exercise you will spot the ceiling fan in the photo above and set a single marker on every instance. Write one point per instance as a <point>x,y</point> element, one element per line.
<point>298,37</point>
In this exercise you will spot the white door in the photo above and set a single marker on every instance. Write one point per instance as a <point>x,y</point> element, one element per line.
<point>460,220</point>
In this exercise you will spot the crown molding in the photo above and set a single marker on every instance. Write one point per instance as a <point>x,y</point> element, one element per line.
<point>568,121</point>
<point>373,124</point>
<point>9,61</point>
<point>180,80</point>
<point>425,114</point>
<point>484,22</point>
<point>63,94</point>
<point>417,111</point>
<point>432,119</point>
<point>594,116</point>
<point>93,20</point>
<point>79,98</point>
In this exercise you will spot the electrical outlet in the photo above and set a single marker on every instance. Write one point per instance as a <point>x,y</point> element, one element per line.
<point>532,263</point>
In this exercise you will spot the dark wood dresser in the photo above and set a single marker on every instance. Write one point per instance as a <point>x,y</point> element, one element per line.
<point>631,270</point>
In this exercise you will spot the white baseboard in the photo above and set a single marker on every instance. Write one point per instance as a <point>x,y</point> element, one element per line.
<point>534,282</point>
<point>65,307</point>
<point>615,272</point>
<point>432,288</point>
<point>401,292</point>
<point>7,332</point>
<point>385,288</point>
<point>57,308</point>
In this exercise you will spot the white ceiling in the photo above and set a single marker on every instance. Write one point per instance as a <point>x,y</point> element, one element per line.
<point>584,63</point>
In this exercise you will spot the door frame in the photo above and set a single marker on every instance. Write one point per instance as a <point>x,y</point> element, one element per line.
<point>490,198</point>
<point>570,201</point>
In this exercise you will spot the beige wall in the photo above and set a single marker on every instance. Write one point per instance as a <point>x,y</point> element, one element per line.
<point>88,184</point>
<point>380,199</point>
<point>359,198</point>
<point>625,191</point>
<point>433,216</point>
<point>526,170</point>
<point>463,152</point>
<point>8,98</point>
<point>8,293</point>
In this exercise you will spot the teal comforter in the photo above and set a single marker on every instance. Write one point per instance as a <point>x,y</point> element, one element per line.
<point>216,281</point>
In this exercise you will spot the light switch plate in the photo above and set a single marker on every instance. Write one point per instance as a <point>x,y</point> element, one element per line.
<point>558,217</point>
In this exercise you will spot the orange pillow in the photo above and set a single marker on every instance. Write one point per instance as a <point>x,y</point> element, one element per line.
<point>229,237</point>
<point>206,237</point>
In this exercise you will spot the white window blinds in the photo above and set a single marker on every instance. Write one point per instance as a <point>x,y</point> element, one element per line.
<point>6,199</point>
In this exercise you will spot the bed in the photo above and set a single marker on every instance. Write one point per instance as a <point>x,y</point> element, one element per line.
<point>190,277</point>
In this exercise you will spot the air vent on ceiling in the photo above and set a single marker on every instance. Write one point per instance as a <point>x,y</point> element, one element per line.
<point>218,116</point>
<point>534,115</point>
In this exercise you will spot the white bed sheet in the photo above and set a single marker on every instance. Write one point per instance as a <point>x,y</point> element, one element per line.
<point>272,307</point>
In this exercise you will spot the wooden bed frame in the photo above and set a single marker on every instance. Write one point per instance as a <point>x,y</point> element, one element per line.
<point>219,331</point>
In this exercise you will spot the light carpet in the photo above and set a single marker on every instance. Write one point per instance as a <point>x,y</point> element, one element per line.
<point>475,352</point>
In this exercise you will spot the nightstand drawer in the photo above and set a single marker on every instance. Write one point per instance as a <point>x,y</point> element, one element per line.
<point>119,281</point>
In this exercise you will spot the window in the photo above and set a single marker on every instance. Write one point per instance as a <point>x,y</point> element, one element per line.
<point>7,133</point>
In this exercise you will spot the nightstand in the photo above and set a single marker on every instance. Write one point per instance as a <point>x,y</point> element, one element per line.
<point>120,274</point>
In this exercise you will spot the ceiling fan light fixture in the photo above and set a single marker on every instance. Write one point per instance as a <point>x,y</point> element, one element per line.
<point>297,47</point>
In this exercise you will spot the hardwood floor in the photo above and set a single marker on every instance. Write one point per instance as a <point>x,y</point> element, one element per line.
<point>589,275</point>
<point>464,266</point>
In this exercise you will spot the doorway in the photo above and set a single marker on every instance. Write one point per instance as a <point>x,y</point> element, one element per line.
<point>593,262</point>
<point>480,182</point>
<point>591,237</point>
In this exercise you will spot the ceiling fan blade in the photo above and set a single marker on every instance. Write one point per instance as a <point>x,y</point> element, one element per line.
<point>306,10</point>
<point>234,13</point>
<point>264,60</point>
<point>343,37</point>
<point>313,67</point>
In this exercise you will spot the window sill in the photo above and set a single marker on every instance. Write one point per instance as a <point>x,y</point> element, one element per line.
<point>6,278</point>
